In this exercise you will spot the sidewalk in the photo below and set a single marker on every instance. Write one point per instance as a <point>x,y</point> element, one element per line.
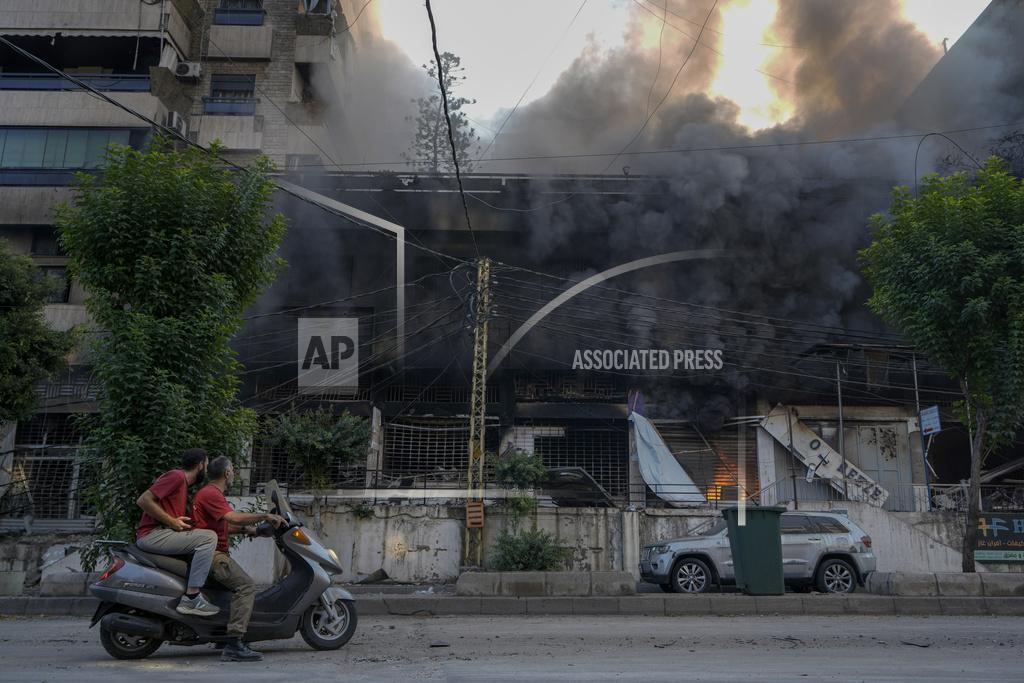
<point>638,605</point>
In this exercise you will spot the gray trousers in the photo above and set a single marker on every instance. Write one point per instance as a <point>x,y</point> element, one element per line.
<point>199,543</point>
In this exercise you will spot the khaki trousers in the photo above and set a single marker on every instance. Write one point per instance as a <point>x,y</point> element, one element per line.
<point>231,575</point>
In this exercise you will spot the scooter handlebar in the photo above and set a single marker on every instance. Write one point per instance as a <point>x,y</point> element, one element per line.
<point>265,529</point>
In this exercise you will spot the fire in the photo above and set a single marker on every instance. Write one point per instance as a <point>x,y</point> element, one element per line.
<point>740,75</point>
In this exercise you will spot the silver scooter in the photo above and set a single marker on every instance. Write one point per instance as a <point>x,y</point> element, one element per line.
<point>139,592</point>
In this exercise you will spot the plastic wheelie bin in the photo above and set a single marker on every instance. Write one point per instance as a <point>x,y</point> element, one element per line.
<point>756,549</point>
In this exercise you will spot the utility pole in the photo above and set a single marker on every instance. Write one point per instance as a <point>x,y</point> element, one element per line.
<point>842,440</point>
<point>474,543</point>
<point>920,432</point>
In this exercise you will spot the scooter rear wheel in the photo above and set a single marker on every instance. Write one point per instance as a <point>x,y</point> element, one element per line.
<point>323,631</point>
<point>126,646</point>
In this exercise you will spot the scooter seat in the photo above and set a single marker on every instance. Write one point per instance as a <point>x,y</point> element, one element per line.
<point>175,564</point>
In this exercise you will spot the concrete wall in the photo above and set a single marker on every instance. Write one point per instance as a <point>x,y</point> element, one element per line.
<point>76,108</point>
<point>107,16</point>
<point>901,546</point>
<point>29,206</point>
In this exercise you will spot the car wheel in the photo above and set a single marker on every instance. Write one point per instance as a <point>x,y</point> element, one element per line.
<point>691,575</point>
<point>666,587</point>
<point>836,576</point>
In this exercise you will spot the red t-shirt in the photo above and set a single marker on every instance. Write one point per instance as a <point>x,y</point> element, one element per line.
<point>171,490</point>
<point>208,509</point>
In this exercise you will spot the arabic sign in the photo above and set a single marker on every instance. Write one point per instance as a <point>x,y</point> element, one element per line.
<point>930,423</point>
<point>821,459</point>
<point>1000,537</point>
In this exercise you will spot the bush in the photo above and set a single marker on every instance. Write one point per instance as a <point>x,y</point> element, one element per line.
<point>520,470</point>
<point>534,550</point>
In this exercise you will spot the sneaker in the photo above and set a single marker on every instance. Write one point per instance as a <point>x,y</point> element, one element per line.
<point>237,651</point>
<point>196,605</point>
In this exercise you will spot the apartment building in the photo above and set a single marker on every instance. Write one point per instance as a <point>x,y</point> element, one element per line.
<point>237,71</point>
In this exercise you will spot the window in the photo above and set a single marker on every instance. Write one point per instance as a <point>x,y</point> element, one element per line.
<point>827,525</point>
<point>61,293</point>
<point>239,13</point>
<point>60,148</point>
<point>231,94</point>
<point>45,242</point>
<point>795,524</point>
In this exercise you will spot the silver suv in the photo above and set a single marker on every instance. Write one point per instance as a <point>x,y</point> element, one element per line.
<point>819,549</point>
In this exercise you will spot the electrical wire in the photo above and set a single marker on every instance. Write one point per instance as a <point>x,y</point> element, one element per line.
<point>171,133</point>
<point>448,120</point>
<point>639,131</point>
<point>689,150</point>
<point>535,77</point>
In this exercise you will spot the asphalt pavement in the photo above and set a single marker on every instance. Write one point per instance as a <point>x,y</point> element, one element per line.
<point>556,648</point>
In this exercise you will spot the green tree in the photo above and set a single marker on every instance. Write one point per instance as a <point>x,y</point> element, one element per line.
<point>316,439</point>
<point>171,248</point>
<point>947,269</point>
<point>430,149</point>
<point>29,349</point>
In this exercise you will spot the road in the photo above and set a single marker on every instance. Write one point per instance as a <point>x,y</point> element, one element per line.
<point>497,649</point>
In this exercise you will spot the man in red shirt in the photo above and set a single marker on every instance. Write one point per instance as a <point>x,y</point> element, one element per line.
<point>165,530</point>
<point>211,510</point>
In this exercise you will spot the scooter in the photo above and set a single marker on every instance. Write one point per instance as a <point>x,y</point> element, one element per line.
<point>139,592</point>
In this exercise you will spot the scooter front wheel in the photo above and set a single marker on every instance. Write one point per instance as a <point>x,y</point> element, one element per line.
<point>328,629</point>
<point>126,646</point>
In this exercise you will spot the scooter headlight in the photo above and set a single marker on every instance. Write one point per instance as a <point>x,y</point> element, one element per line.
<point>334,556</point>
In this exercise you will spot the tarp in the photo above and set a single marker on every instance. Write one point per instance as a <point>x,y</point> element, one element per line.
<point>659,467</point>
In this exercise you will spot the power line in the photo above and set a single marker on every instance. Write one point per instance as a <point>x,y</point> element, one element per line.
<point>448,120</point>
<point>721,33</point>
<point>694,150</point>
<point>640,130</point>
<point>676,302</point>
<point>171,133</point>
<point>535,77</point>
<point>705,45</point>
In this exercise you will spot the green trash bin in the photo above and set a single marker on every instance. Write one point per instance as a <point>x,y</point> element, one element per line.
<point>756,549</point>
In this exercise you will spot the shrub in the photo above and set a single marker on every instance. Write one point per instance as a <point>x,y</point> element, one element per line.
<point>520,470</point>
<point>534,550</point>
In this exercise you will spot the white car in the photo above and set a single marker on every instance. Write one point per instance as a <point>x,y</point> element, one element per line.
<point>825,550</point>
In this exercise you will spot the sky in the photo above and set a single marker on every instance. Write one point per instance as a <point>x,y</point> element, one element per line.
<point>505,44</point>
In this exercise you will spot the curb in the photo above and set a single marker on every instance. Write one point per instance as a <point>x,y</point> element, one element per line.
<point>636,605</point>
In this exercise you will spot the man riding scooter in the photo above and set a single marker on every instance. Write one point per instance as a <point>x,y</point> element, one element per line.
<point>211,510</point>
<point>165,530</point>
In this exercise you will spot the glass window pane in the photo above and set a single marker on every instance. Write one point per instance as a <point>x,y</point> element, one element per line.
<point>794,524</point>
<point>120,137</point>
<point>74,155</point>
<point>3,139</point>
<point>14,149</point>
<point>95,147</point>
<point>56,142</point>
<point>35,145</point>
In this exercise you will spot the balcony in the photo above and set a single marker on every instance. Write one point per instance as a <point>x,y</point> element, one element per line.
<point>76,108</point>
<point>241,41</point>
<point>48,81</point>
<point>238,106</point>
<point>235,133</point>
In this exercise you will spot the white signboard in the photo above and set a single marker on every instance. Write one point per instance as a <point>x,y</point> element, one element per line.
<point>930,423</point>
<point>821,459</point>
<point>328,354</point>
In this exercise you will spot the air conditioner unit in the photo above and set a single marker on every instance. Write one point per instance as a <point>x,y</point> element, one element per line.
<point>190,70</point>
<point>176,122</point>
